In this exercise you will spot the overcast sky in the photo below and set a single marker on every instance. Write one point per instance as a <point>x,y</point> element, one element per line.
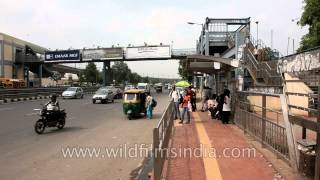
<point>61,24</point>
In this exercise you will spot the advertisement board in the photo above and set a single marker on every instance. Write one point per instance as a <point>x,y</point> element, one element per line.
<point>102,54</point>
<point>66,55</point>
<point>152,52</point>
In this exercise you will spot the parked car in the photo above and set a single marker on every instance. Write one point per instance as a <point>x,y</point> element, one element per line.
<point>103,95</point>
<point>73,92</point>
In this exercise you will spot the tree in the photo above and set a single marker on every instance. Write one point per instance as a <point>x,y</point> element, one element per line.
<point>145,79</point>
<point>120,72</point>
<point>134,78</point>
<point>91,73</point>
<point>310,17</point>
<point>183,71</point>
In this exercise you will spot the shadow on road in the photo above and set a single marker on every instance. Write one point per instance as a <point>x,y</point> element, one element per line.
<point>64,130</point>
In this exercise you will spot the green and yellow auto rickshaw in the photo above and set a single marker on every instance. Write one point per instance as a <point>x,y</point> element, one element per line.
<point>134,101</point>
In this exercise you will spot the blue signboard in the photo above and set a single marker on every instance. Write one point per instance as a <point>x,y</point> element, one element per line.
<point>67,55</point>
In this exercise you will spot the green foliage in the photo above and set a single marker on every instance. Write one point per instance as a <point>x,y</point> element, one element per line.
<point>146,79</point>
<point>134,78</point>
<point>183,71</point>
<point>270,54</point>
<point>91,73</point>
<point>120,72</point>
<point>311,18</point>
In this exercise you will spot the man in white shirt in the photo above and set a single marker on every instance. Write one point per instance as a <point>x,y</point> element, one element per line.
<point>175,96</point>
<point>226,110</point>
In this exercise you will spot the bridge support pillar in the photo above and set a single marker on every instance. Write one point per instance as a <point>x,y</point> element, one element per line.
<point>106,73</point>
<point>40,75</point>
<point>26,75</point>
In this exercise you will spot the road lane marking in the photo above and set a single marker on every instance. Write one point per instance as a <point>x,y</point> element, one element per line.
<point>31,114</point>
<point>7,109</point>
<point>211,165</point>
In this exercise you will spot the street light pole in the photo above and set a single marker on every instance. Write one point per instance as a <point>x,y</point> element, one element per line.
<point>193,23</point>
<point>257,22</point>
<point>288,46</point>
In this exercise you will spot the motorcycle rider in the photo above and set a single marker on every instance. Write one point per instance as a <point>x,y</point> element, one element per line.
<point>53,107</point>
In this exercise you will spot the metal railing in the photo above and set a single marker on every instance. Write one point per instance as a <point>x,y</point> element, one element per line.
<point>161,137</point>
<point>255,120</point>
<point>261,70</point>
<point>310,122</point>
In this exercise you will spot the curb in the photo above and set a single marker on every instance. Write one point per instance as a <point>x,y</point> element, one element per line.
<point>37,97</point>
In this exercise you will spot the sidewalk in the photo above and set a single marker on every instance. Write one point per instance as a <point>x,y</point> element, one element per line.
<point>226,153</point>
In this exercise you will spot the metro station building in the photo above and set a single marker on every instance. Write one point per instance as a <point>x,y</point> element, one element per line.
<point>18,57</point>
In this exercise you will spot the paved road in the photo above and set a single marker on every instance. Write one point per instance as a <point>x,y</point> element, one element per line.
<point>26,155</point>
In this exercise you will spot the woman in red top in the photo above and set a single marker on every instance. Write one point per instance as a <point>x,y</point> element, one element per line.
<point>185,102</point>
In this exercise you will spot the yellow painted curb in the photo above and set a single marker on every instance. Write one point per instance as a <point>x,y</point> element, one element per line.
<point>211,165</point>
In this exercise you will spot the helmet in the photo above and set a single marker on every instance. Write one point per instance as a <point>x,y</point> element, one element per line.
<point>53,97</point>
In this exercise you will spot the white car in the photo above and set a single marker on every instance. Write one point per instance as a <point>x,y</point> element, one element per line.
<point>103,95</point>
<point>73,92</point>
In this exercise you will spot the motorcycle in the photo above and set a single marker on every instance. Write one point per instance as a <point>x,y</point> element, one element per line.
<point>49,119</point>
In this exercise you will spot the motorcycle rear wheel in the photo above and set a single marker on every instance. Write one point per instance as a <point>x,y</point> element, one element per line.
<point>61,124</point>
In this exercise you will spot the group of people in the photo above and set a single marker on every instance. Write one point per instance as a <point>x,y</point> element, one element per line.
<point>187,101</point>
<point>219,107</point>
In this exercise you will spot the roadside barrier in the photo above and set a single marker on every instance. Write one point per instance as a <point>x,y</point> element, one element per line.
<point>13,95</point>
<point>161,137</point>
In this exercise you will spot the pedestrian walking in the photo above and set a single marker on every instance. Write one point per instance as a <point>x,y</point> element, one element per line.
<point>175,97</point>
<point>193,99</point>
<point>212,106</point>
<point>220,100</point>
<point>226,111</point>
<point>185,106</point>
<point>149,101</point>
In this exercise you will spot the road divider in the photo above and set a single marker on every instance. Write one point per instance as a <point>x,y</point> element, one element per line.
<point>15,95</point>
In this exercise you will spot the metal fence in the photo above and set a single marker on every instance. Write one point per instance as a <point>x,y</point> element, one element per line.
<point>269,131</point>
<point>161,137</point>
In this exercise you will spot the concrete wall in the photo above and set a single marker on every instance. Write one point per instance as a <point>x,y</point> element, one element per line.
<point>8,71</point>
<point>298,87</point>
<point>8,55</point>
<point>8,46</point>
<point>274,102</point>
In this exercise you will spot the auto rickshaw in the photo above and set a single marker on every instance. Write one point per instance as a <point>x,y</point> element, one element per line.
<point>134,103</point>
